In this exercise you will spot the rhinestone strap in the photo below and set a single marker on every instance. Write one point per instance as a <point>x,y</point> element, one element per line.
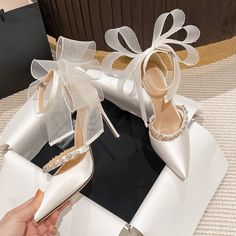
<point>64,157</point>
<point>168,137</point>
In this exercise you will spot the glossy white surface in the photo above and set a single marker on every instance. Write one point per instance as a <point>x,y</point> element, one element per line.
<point>171,208</point>
<point>26,129</point>
<point>175,153</point>
<point>63,186</point>
<point>131,104</point>
<point>19,181</point>
<point>174,207</point>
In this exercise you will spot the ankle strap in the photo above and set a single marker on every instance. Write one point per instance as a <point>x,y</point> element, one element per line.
<point>171,89</point>
<point>51,76</point>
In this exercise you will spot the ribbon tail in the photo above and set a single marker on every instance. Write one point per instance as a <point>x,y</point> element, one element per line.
<point>139,89</point>
<point>59,122</point>
<point>175,82</point>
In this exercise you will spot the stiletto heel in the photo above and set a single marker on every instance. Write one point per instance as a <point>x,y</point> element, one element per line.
<point>109,124</point>
<point>168,126</point>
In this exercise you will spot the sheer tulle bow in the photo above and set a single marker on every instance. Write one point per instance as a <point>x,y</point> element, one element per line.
<point>161,43</point>
<point>69,90</point>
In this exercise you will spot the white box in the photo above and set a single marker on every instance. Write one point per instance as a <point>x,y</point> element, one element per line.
<point>171,208</point>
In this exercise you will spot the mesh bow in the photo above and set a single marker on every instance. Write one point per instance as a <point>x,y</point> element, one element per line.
<point>161,42</point>
<point>70,89</point>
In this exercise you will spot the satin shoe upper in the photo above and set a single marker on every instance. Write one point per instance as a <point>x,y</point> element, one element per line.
<point>173,148</point>
<point>62,187</point>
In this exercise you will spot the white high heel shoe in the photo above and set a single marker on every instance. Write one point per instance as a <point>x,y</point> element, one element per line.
<point>168,127</point>
<point>61,88</point>
<point>75,164</point>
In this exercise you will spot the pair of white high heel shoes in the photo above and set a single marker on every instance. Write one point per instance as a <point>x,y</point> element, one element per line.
<point>75,82</point>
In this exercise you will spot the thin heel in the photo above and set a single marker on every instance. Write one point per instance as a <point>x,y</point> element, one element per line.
<point>109,124</point>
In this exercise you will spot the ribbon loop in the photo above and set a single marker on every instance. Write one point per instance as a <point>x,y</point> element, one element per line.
<point>112,39</point>
<point>73,58</point>
<point>75,51</point>
<point>161,42</point>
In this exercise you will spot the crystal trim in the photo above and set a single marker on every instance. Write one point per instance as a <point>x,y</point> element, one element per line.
<point>168,137</point>
<point>61,159</point>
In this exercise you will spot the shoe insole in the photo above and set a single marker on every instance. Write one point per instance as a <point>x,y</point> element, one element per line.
<point>167,119</point>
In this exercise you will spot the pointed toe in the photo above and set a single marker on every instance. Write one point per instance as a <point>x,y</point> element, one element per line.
<point>183,169</point>
<point>175,153</point>
<point>70,182</point>
<point>39,215</point>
